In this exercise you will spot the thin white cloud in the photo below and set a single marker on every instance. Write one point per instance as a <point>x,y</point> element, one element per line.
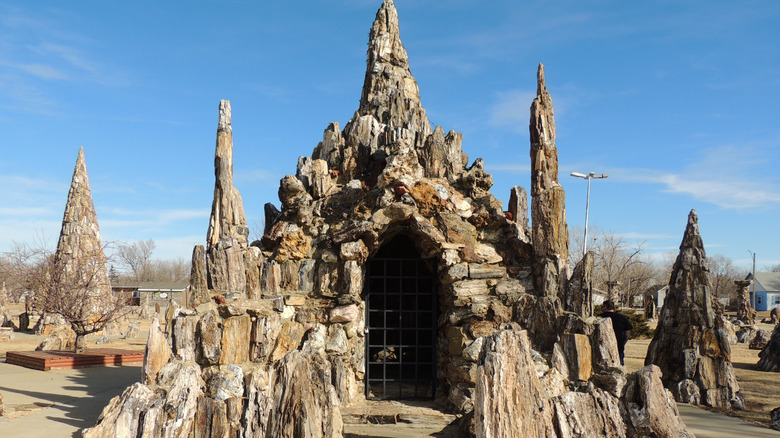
<point>633,235</point>
<point>24,211</point>
<point>39,47</point>
<point>449,63</point>
<point>177,246</point>
<point>509,167</point>
<point>511,109</point>
<point>247,176</point>
<point>120,218</point>
<point>724,176</point>
<point>41,71</point>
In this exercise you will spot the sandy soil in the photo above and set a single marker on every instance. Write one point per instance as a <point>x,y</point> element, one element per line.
<point>761,389</point>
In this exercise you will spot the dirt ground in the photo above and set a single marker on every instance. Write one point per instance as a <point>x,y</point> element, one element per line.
<point>761,389</point>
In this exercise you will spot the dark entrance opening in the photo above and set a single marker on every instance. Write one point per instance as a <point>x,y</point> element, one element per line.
<point>401,309</point>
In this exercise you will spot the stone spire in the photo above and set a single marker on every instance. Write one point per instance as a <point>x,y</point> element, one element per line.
<point>689,344</point>
<point>390,92</point>
<point>550,235</point>
<point>544,155</point>
<point>227,234</point>
<point>79,246</point>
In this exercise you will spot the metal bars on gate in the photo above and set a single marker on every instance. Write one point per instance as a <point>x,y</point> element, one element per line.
<point>401,313</point>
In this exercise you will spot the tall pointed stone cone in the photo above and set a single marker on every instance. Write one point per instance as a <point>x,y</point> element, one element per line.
<point>79,248</point>
<point>390,92</point>
<point>227,235</point>
<point>389,140</point>
<point>549,233</point>
<point>689,343</point>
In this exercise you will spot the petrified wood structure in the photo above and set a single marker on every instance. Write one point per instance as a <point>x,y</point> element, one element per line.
<point>391,271</point>
<point>226,240</point>
<point>78,287</point>
<point>745,312</point>
<point>769,357</point>
<point>689,343</point>
<point>550,235</point>
<point>79,246</point>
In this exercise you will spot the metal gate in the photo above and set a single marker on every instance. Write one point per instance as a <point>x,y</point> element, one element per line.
<point>401,309</point>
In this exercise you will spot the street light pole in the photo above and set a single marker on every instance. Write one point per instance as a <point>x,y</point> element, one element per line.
<point>588,177</point>
<point>753,283</point>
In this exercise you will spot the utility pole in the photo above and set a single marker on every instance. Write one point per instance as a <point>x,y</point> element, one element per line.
<point>753,283</point>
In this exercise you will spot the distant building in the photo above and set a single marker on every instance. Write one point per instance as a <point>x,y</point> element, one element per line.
<point>767,287</point>
<point>660,296</point>
<point>152,291</point>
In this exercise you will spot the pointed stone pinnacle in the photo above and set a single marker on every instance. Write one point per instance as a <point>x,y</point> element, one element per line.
<point>544,155</point>
<point>549,233</point>
<point>227,234</point>
<point>541,87</point>
<point>225,115</point>
<point>79,245</point>
<point>689,345</point>
<point>692,238</point>
<point>227,211</point>
<point>390,92</point>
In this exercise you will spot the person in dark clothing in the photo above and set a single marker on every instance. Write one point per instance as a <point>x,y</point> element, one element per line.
<point>620,324</point>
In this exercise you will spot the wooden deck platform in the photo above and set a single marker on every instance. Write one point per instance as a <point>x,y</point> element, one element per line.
<point>93,357</point>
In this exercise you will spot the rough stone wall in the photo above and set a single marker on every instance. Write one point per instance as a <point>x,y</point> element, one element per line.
<point>689,344</point>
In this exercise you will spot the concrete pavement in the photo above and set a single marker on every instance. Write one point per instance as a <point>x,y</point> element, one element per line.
<point>58,403</point>
<point>706,424</point>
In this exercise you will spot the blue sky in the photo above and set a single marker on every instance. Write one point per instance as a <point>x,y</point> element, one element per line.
<point>678,102</point>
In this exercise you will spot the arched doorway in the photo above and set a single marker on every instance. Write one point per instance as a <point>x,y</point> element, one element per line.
<point>401,314</point>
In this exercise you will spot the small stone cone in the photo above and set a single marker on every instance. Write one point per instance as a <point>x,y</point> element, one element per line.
<point>390,92</point>
<point>227,234</point>
<point>549,232</point>
<point>689,344</point>
<point>79,246</point>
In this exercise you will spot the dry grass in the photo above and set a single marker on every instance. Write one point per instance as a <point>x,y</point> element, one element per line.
<point>761,389</point>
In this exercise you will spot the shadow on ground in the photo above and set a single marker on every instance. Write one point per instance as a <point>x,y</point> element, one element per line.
<point>80,403</point>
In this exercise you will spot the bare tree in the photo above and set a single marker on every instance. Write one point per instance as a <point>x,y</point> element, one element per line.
<point>177,269</point>
<point>77,289</point>
<point>615,261</point>
<point>136,259</point>
<point>775,268</point>
<point>723,273</point>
